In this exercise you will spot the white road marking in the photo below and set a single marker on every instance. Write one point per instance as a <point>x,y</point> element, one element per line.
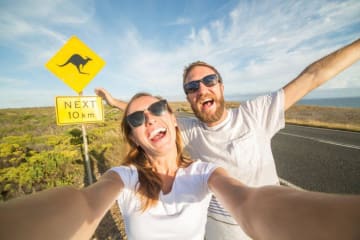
<point>320,128</point>
<point>289,184</point>
<point>322,141</point>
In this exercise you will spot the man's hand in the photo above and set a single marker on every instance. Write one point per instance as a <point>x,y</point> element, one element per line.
<point>105,95</point>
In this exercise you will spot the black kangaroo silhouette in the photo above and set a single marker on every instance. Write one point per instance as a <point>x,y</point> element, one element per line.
<point>78,61</point>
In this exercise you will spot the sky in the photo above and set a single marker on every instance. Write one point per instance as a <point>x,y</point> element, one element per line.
<point>257,46</point>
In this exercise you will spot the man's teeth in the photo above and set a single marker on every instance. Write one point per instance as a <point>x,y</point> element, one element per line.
<point>206,100</point>
<point>156,132</point>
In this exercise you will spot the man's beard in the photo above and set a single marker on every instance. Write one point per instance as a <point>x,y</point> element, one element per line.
<point>210,118</point>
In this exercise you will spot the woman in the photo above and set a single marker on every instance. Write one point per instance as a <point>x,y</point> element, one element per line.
<point>164,195</point>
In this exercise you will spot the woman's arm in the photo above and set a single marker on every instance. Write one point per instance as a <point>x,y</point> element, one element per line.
<point>60,213</point>
<point>276,212</point>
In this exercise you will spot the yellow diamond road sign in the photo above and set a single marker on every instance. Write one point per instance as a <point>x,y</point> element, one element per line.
<point>75,64</point>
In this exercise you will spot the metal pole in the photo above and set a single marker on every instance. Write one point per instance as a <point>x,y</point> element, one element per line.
<point>87,162</point>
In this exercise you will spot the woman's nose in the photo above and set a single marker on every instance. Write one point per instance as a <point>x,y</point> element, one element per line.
<point>149,118</point>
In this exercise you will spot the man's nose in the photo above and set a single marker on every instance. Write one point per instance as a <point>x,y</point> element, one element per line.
<point>202,88</point>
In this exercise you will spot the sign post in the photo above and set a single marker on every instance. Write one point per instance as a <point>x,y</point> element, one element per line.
<point>86,152</point>
<point>76,65</point>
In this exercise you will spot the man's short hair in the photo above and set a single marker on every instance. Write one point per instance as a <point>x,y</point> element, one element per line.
<point>188,68</point>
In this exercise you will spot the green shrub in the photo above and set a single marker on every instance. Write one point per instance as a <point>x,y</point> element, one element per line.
<point>36,154</point>
<point>41,171</point>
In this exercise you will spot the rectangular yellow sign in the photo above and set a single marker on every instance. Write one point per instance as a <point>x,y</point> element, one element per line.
<point>79,109</point>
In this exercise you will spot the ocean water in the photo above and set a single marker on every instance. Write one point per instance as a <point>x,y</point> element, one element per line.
<point>353,102</point>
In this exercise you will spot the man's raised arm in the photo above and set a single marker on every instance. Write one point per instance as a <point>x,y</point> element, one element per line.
<point>321,71</point>
<point>105,95</point>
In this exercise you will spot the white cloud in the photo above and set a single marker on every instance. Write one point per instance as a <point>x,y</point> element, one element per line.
<point>55,11</point>
<point>279,42</point>
<point>32,27</point>
<point>11,26</point>
<point>180,21</point>
<point>256,49</point>
<point>5,81</point>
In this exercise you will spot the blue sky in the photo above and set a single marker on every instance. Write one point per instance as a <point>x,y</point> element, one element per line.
<point>258,46</point>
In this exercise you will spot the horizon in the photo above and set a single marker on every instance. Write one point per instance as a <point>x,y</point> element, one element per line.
<point>242,98</point>
<point>257,46</point>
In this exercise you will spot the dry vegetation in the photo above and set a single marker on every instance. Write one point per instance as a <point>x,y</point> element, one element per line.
<point>327,117</point>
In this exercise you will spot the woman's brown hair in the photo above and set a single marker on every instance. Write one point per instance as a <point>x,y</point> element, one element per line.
<point>149,185</point>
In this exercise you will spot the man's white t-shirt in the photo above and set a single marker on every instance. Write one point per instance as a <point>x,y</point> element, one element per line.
<point>242,145</point>
<point>180,214</point>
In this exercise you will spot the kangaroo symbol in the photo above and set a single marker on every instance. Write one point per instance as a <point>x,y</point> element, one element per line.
<point>78,61</point>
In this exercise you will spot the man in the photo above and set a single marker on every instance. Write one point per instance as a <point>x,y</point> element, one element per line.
<point>240,139</point>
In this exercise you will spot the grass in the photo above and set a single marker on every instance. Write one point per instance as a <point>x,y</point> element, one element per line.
<point>326,117</point>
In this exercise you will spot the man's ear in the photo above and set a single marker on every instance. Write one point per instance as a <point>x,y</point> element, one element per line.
<point>174,120</point>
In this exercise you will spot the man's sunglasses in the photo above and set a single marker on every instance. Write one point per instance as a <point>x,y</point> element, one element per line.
<point>209,81</point>
<point>137,118</point>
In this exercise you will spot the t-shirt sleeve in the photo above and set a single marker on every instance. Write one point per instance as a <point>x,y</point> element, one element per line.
<point>268,111</point>
<point>128,175</point>
<point>205,169</point>
<point>186,125</point>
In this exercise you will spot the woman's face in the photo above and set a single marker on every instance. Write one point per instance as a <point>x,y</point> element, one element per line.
<point>156,135</point>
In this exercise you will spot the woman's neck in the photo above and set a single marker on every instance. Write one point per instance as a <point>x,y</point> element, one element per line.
<point>166,167</point>
<point>165,164</point>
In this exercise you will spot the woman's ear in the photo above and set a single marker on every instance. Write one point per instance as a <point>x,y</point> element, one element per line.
<point>133,139</point>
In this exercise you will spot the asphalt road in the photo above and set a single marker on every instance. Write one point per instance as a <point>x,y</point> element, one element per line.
<point>318,159</point>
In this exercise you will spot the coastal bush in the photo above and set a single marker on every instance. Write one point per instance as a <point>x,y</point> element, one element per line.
<point>24,170</point>
<point>36,154</point>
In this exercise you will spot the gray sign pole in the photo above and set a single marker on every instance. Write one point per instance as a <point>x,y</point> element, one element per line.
<point>87,162</point>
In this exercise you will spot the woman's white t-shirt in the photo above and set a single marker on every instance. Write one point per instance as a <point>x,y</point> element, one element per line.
<point>180,214</point>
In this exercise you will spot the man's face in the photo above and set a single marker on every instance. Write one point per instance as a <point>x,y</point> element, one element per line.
<point>207,102</point>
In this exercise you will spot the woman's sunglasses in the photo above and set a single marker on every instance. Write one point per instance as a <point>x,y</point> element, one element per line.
<point>209,81</point>
<point>137,118</point>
